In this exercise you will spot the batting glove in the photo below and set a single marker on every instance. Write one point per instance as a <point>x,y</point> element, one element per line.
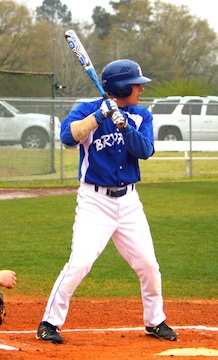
<point>119,118</point>
<point>106,109</point>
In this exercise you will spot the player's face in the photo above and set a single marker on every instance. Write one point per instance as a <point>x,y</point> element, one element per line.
<point>133,99</point>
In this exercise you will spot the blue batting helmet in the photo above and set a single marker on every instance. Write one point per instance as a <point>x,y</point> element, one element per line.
<point>119,75</point>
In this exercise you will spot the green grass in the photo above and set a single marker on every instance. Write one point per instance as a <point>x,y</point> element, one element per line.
<point>183,216</point>
<point>32,167</point>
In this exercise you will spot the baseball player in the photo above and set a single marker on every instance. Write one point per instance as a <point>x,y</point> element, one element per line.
<point>112,135</point>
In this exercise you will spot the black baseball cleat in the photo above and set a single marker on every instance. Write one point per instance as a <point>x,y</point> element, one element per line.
<point>49,333</point>
<point>161,331</point>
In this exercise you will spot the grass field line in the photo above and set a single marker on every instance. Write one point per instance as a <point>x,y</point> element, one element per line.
<point>198,327</point>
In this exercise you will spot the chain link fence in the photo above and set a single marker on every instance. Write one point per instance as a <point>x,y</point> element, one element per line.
<point>30,147</point>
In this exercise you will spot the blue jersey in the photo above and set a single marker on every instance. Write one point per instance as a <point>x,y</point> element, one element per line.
<point>108,155</point>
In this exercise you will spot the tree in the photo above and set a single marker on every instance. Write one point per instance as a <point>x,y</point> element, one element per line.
<point>170,44</point>
<point>102,21</point>
<point>184,44</point>
<point>54,11</point>
<point>15,24</point>
<point>165,39</point>
<point>179,86</point>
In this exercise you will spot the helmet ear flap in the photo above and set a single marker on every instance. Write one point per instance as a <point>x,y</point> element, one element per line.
<point>120,92</point>
<point>125,91</point>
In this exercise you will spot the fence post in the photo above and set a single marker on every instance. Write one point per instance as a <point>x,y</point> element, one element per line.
<point>190,143</point>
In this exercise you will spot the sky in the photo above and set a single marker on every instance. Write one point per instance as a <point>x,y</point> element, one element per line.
<point>82,9</point>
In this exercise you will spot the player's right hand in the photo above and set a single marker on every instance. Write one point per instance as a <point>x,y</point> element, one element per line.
<point>119,118</point>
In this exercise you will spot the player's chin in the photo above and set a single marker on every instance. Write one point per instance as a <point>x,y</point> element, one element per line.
<point>134,101</point>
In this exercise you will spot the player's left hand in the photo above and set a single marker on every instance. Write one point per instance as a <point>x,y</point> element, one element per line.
<point>106,109</point>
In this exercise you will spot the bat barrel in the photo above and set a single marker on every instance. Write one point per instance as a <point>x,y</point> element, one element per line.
<point>81,54</point>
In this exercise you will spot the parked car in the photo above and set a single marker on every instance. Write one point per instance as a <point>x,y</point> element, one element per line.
<point>171,118</point>
<point>29,130</point>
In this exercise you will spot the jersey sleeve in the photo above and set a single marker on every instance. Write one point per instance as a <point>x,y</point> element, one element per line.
<point>79,113</point>
<point>140,141</point>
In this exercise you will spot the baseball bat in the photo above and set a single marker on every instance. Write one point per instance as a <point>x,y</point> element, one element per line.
<point>81,54</point>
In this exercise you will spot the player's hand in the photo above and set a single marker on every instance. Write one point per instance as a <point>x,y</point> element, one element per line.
<point>119,118</point>
<point>7,278</point>
<point>106,109</point>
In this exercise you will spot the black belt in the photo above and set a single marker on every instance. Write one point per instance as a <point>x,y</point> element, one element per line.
<point>117,193</point>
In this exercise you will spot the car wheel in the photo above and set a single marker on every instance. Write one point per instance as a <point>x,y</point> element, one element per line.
<point>34,138</point>
<point>169,133</point>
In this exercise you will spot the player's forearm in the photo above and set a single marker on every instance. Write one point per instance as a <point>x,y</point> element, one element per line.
<point>79,129</point>
<point>139,146</point>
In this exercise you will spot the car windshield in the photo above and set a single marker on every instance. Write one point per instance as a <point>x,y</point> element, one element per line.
<point>10,107</point>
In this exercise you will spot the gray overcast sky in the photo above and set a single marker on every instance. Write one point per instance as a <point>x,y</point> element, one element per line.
<point>82,9</point>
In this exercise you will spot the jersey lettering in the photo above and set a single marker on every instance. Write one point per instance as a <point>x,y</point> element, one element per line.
<point>108,140</point>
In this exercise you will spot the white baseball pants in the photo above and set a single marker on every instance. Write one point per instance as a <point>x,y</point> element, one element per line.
<point>98,218</point>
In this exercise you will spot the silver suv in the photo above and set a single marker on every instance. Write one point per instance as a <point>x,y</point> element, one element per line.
<point>175,116</point>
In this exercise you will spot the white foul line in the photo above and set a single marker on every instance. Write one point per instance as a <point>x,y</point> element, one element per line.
<point>6,347</point>
<point>198,327</point>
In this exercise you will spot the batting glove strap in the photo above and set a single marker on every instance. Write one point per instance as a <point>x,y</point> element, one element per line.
<point>99,117</point>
